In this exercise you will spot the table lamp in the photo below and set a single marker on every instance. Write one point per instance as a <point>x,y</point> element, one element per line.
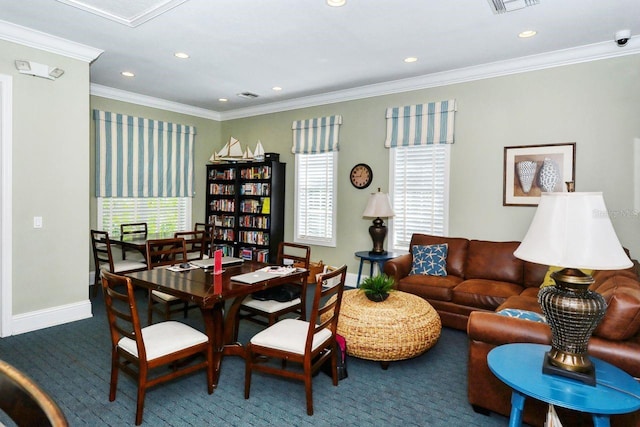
<point>572,231</point>
<point>378,207</point>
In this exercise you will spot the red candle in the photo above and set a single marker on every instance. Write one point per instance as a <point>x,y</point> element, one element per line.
<point>217,284</point>
<point>217,262</point>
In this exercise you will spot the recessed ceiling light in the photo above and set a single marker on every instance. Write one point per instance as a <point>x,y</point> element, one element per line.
<point>128,74</point>
<point>336,3</point>
<point>276,88</point>
<point>181,55</point>
<point>222,99</point>
<point>528,33</point>
<point>410,59</point>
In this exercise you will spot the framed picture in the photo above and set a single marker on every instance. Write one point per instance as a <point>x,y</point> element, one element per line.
<point>530,170</point>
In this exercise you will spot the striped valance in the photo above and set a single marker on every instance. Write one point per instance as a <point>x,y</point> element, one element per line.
<point>421,124</point>
<point>318,135</point>
<point>138,157</point>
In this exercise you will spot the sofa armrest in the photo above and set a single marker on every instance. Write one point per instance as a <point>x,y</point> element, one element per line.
<point>398,267</point>
<point>495,329</point>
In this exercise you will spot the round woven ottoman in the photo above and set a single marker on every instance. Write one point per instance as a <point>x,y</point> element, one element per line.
<point>401,327</point>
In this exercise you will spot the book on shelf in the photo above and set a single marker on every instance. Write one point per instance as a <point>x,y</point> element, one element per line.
<point>266,205</point>
<point>246,253</point>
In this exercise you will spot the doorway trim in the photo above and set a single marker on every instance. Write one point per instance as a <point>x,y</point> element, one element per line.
<point>6,238</point>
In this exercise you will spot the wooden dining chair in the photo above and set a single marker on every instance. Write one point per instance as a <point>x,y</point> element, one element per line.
<point>267,312</point>
<point>194,241</point>
<point>137,351</point>
<point>137,230</point>
<point>25,402</point>
<point>166,252</point>
<point>103,259</point>
<point>209,235</point>
<point>307,343</point>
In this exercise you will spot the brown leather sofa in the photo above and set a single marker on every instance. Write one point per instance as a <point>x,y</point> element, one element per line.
<point>484,277</point>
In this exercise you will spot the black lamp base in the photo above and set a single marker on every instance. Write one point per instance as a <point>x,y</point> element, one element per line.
<point>377,253</point>
<point>588,377</point>
<point>378,231</point>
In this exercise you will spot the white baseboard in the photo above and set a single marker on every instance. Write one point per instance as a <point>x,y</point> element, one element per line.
<point>351,281</point>
<point>40,319</point>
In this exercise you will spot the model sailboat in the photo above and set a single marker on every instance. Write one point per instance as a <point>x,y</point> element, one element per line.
<point>232,150</point>
<point>258,153</point>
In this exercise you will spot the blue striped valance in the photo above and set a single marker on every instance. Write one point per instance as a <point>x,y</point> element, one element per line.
<point>318,135</point>
<point>421,124</point>
<point>137,157</point>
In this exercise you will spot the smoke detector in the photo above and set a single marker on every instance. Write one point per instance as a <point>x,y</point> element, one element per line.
<point>502,6</point>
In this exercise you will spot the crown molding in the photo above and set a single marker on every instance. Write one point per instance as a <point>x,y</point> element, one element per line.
<point>150,101</point>
<point>588,53</point>
<point>39,40</point>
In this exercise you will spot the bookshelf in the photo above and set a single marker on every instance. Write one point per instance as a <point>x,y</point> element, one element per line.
<point>245,202</point>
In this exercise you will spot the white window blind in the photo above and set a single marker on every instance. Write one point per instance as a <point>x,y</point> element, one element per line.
<point>315,204</point>
<point>419,191</point>
<point>162,215</point>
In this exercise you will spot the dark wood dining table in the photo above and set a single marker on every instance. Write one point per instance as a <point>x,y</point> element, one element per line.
<point>210,292</point>
<point>136,242</point>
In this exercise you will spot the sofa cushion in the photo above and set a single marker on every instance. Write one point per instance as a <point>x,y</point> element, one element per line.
<point>429,287</point>
<point>522,302</point>
<point>485,294</point>
<point>534,274</point>
<point>457,251</point>
<point>622,318</point>
<point>430,260</point>
<point>494,261</point>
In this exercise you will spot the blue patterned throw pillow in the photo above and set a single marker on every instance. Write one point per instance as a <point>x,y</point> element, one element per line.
<point>523,314</point>
<point>430,260</point>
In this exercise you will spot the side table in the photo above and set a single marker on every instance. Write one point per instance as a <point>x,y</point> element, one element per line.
<point>520,367</point>
<point>373,260</point>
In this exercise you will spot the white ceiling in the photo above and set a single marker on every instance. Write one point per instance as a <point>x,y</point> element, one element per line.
<point>317,53</point>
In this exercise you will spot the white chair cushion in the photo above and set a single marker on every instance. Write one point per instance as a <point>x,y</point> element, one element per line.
<point>164,338</point>
<point>163,296</point>
<point>289,335</point>
<point>269,306</point>
<point>135,256</point>
<point>127,265</point>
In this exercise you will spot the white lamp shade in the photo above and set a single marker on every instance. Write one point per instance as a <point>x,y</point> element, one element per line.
<point>573,230</point>
<point>378,206</point>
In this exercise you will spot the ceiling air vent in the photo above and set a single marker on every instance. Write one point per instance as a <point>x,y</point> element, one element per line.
<point>502,6</point>
<point>248,95</point>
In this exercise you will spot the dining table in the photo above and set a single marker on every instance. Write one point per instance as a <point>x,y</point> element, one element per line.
<point>137,242</point>
<point>211,292</point>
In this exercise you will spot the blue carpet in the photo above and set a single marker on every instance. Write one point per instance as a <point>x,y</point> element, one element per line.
<point>71,362</point>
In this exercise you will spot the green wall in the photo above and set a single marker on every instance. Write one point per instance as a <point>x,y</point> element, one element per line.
<point>593,104</point>
<point>50,179</point>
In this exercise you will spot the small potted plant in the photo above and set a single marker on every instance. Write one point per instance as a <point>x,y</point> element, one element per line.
<point>377,288</point>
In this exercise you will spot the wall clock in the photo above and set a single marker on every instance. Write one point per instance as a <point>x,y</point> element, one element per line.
<point>361,175</point>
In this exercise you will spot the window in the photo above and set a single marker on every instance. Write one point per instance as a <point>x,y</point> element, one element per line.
<point>315,198</point>
<point>162,214</point>
<point>419,182</point>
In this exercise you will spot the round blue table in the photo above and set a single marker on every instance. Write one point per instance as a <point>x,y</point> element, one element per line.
<point>374,259</point>
<point>520,367</point>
